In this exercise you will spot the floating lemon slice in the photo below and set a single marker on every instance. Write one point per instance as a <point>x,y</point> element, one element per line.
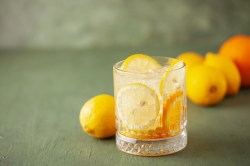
<point>137,106</point>
<point>172,109</point>
<point>140,63</point>
<point>172,79</point>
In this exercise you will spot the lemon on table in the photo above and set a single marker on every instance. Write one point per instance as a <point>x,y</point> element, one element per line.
<point>140,63</point>
<point>191,59</point>
<point>206,85</point>
<point>137,106</point>
<point>228,68</point>
<point>97,116</point>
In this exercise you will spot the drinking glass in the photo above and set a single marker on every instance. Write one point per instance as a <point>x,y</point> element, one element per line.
<point>151,109</point>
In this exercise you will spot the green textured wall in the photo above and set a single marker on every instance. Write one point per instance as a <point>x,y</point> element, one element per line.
<point>104,23</point>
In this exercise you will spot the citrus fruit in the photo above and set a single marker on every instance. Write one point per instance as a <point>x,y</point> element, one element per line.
<point>171,88</point>
<point>137,106</point>
<point>97,116</point>
<point>140,63</point>
<point>172,78</point>
<point>171,116</point>
<point>228,68</point>
<point>191,59</point>
<point>206,85</point>
<point>238,49</point>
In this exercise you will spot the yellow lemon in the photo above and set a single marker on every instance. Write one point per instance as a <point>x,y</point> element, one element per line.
<point>229,70</point>
<point>171,79</point>
<point>97,116</point>
<point>172,110</point>
<point>191,59</point>
<point>137,106</point>
<point>140,63</point>
<point>206,85</point>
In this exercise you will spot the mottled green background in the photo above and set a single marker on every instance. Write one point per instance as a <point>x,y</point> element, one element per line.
<point>110,23</point>
<point>57,54</point>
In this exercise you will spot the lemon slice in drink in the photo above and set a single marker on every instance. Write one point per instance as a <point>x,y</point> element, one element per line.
<point>137,106</point>
<point>172,110</point>
<point>140,63</point>
<point>172,91</point>
<point>172,78</point>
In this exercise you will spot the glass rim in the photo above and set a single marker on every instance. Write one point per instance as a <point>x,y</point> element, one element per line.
<point>115,66</point>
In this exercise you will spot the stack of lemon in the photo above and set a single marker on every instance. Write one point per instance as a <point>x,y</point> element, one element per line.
<point>211,78</point>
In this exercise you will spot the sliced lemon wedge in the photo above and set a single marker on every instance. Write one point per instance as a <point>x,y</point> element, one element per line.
<point>140,63</point>
<point>137,106</point>
<point>172,111</point>
<point>172,79</point>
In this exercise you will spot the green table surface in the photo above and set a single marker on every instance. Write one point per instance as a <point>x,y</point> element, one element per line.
<point>41,93</point>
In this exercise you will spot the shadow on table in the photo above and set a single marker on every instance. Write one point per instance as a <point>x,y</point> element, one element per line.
<point>240,100</point>
<point>199,145</point>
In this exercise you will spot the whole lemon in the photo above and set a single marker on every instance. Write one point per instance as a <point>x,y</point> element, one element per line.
<point>206,85</point>
<point>191,59</point>
<point>228,68</point>
<point>97,116</point>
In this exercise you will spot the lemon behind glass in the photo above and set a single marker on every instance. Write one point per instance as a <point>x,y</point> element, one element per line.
<point>191,59</point>
<point>97,116</point>
<point>206,85</point>
<point>228,68</point>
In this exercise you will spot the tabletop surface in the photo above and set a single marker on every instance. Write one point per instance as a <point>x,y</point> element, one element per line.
<point>41,93</point>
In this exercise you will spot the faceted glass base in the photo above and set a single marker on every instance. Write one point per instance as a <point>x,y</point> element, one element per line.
<point>151,147</point>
